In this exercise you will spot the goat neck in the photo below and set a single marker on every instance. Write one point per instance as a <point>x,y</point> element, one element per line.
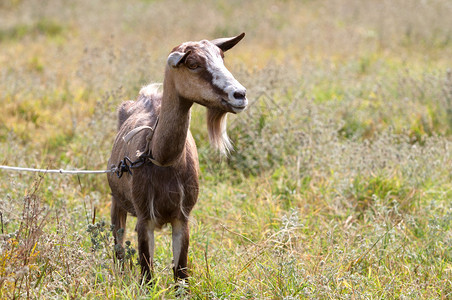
<point>170,136</point>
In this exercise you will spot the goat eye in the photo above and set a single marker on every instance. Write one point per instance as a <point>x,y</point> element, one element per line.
<point>192,65</point>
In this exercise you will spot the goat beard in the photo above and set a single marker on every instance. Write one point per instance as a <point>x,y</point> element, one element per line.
<point>216,126</point>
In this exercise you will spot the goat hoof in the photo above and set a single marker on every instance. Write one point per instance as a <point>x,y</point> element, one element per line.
<point>147,279</point>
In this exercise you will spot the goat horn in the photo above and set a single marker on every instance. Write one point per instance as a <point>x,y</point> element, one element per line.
<point>227,43</point>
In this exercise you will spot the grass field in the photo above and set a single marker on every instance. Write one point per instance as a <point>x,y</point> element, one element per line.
<point>340,184</point>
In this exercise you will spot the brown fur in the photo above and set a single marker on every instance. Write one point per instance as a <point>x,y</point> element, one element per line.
<point>156,194</point>
<point>160,195</point>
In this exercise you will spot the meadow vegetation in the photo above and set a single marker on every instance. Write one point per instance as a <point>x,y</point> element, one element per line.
<point>340,184</point>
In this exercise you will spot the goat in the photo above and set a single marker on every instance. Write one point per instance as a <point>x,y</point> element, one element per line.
<point>165,187</point>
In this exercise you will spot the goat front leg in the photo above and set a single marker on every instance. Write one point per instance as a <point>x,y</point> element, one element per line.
<point>145,231</point>
<point>118,220</point>
<point>180,234</point>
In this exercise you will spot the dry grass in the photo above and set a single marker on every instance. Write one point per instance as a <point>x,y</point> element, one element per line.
<point>340,184</point>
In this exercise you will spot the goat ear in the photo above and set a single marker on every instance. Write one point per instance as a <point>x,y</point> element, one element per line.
<point>175,59</point>
<point>227,43</point>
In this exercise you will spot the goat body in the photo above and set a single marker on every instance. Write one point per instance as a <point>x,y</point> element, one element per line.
<point>166,192</point>
<point>175,187</point>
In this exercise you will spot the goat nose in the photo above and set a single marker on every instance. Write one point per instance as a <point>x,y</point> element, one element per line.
<point>239,95</point>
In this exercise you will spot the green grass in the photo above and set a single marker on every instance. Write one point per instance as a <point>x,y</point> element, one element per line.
<point>43,27</point>
<point>340,183</point>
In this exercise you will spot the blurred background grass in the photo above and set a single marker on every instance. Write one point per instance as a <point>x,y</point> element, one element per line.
<point>340,184</point>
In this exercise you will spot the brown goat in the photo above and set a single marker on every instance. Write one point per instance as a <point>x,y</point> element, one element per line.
<point>165,188</point>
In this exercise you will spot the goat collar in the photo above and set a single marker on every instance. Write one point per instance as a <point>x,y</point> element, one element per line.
<point>147,151</point>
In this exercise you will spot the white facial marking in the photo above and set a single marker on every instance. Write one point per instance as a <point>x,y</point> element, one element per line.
<point>224,80</point>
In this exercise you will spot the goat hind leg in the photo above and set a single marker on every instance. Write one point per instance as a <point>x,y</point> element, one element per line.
<point>118,220</point>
